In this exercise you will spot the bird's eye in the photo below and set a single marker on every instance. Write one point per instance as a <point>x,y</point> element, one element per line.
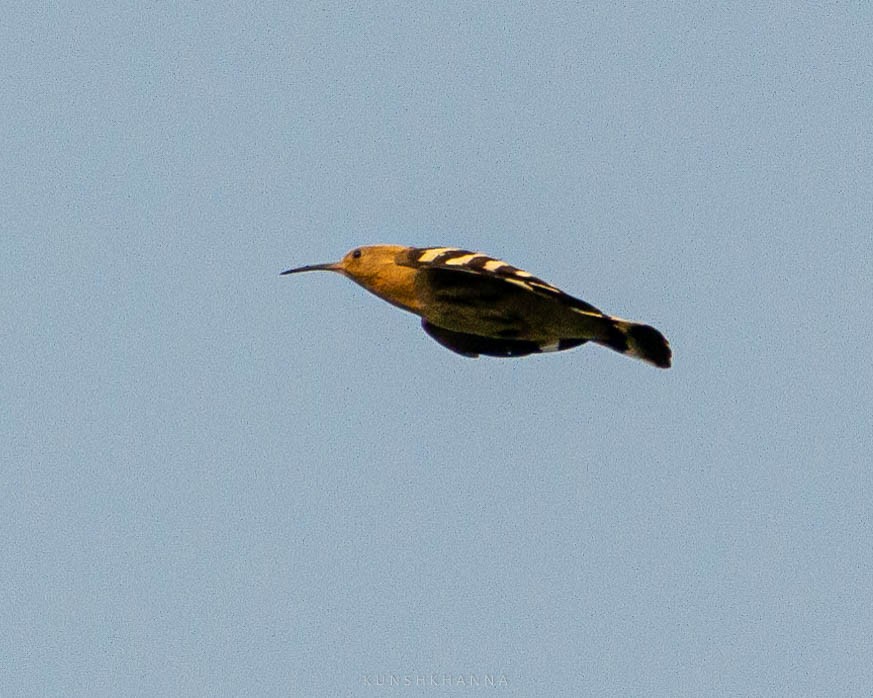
<point>356,254</point>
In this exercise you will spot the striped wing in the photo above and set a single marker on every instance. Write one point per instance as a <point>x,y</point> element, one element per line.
<point>452,260</point>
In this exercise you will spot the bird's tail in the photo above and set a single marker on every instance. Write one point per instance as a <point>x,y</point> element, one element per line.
<point>640,341</point>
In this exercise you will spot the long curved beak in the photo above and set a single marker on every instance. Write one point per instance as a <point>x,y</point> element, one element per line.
<point>332,266</point>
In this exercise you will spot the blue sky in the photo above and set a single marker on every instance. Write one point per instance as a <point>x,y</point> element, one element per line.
<point>217,481</point>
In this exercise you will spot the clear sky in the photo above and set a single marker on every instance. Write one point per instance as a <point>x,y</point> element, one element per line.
<point>217,481</point>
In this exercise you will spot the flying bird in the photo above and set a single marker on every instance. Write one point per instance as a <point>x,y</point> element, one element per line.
<point>474,304</point>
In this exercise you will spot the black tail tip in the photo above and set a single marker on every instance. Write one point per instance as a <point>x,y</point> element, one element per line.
<point>650,345</point>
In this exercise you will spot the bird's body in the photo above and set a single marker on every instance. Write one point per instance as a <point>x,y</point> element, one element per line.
<point>474,304</point>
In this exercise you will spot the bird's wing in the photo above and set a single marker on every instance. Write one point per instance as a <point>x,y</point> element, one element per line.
<point>451,260</point>
<point>473,345</point>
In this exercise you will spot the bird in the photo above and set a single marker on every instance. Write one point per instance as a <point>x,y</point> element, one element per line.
<point>474,304</point>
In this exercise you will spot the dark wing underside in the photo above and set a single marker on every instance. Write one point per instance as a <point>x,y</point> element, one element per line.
<point>473,345</point>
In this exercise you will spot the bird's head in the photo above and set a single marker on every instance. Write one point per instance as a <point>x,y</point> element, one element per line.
<point>358,264</point>
<point>375,268</point>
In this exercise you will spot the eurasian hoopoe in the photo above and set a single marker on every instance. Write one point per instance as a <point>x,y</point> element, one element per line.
<point>474,304</point>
